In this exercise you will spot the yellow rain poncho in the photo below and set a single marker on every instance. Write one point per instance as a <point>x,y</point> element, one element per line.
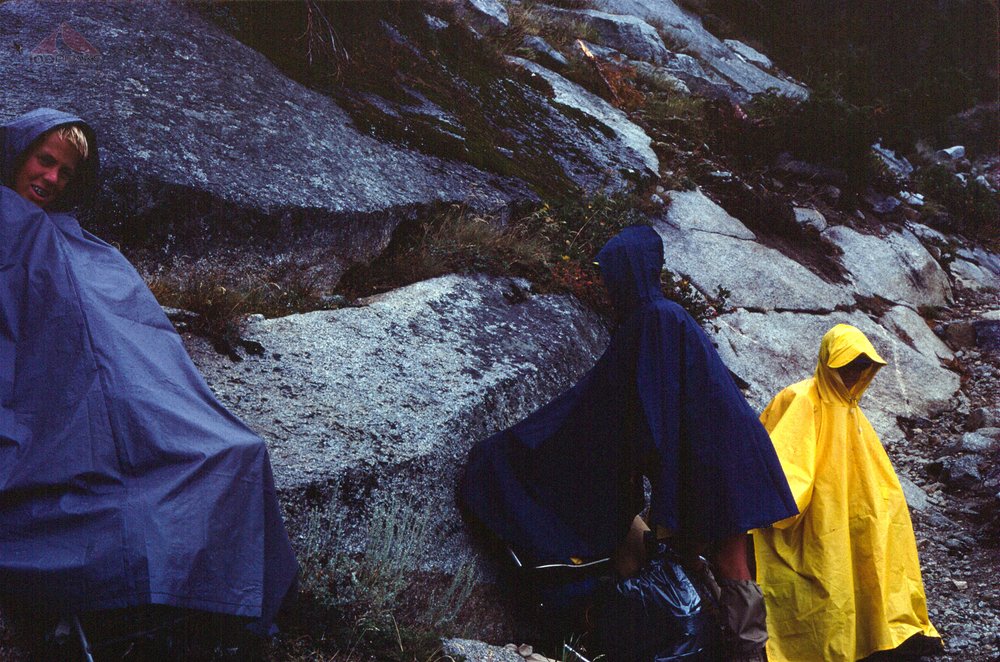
<point>841,580</point>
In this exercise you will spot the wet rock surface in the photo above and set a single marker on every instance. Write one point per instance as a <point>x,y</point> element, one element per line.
<point>203,140</point>
<point>733,73</point>
<point>361,404</point>
<point>896,266</point>
<point>701,240</point>
<point>623,139</point>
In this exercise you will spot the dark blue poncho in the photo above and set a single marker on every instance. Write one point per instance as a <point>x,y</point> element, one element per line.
<point>564,482</point>
<point>123,481</point>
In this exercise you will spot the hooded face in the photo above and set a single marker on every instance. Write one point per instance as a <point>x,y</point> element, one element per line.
<point>847,363</point>
<point>36,163</point>
<point>631,263</point>
<point>46,170</point>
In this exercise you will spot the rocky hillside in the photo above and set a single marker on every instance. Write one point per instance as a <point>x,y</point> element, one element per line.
<point>384,215</point>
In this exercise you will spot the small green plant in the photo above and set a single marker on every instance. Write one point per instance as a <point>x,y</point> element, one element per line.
<point>931,312</point>
<point>529,19</point>
<point>553,246</point>
<point>704,309</point>
<point>616,82</point>
<point>823,129</point>
<point>366,602</point>
<point>677,115</point>
<point>454,241</point>
<point>768,108</point>
<point>576,229</point>
<point>573,650</point>
<point>972,207</point>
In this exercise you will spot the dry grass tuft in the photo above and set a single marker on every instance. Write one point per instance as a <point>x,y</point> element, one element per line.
<point>376,604</point>
<point>222,295</point>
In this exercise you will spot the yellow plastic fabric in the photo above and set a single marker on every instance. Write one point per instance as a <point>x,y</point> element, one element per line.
<point>841,580</point>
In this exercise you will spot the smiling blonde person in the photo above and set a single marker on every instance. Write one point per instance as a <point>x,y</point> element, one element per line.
<point>841,580</point>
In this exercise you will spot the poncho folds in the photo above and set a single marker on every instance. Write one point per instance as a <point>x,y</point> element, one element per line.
<point>123,481</point>
<point>842,579</point>
<point>563,483</point>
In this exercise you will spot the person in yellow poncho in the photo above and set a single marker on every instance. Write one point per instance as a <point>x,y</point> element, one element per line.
<point>841,580</point>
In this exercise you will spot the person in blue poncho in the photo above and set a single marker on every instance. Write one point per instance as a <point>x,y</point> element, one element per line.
<point>564,485</point>
<point>123,481</point>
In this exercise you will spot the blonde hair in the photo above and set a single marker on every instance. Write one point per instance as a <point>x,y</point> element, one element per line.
<point>74,136</point>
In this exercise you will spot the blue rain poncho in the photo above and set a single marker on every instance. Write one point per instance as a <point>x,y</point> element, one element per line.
<point>565,483</point>
<point>123,481</point>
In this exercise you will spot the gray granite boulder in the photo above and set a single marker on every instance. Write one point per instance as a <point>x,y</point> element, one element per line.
<point>951,153</point>
<point>926,234</point>
<point>621,136</point>
<point>696,78</point>
<point>983,417</point>
<point>980,442</point>
<point>976,268</point>
<point>916,498</point>
<point>749,53</point>
<point>773,350</point>
<point>810,218</point>
<point>693,210</point>
<point>477,651</point>
<point>742,76</point>
<point>626,34</point>
<point>913,330</point>
<point>897,165</point>
<point>485,15</point>
<point>961,472</point>
<point>986,259</point>
<point>987,335</point>
<point>702,241</point>
<point>544,51</point>
<point>361,404</point>
<point>203,140</point>
<point>896,267</point>
<point>972,276</point>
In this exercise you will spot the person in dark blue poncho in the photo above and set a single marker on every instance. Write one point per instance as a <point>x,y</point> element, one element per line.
<point>123,481</point>
<point>564,484</point>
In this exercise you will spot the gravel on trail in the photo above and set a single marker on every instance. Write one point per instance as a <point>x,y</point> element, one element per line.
<point>958,527</point>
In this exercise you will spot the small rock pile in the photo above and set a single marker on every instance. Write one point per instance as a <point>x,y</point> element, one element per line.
<point>950,468</point>
<point>479,652</point>
<point>528,653</point>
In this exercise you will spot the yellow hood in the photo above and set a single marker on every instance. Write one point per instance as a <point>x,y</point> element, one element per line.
<point>841,345</point>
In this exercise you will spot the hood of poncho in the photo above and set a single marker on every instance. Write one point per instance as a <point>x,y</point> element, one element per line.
<point>631,264</point>
<point>841,345</point>
<point>21,132</point>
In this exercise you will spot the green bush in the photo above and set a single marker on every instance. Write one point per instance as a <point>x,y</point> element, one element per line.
<point>913,62</point>
<point>365,602</point>
<point>678,288</point>
<point>972,207</point>
<point>824,129</point>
